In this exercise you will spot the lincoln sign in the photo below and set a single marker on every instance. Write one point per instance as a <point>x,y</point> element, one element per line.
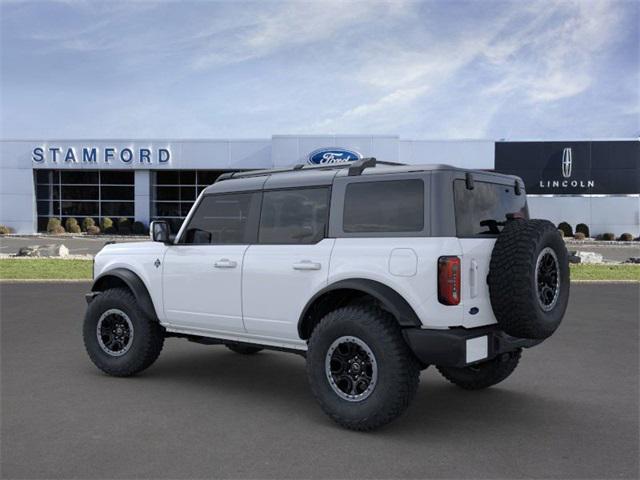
<point>575,168</point>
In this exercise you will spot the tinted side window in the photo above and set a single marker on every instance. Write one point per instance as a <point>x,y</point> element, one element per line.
<point>483,210</point>
<point>223,219</point>
<point>384,206</point>
<point>294,216</point>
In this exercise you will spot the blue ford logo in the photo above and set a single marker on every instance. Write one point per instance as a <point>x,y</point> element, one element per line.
<point>325,156</point>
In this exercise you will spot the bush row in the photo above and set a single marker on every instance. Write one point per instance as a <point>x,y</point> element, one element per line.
<point>582,232</point>
<point>121,226</point>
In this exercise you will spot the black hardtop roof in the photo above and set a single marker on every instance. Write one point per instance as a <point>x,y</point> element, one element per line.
<point>302,175</point>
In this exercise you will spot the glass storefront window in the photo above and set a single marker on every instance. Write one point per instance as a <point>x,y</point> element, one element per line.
<point>174,193</point>
<point>80,194</point>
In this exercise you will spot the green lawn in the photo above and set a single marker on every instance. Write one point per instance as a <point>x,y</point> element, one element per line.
<point>81,269</point>
<point>45,269</point>
<point>605,272</point>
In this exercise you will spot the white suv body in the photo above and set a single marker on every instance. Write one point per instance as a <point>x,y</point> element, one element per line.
<point>263,257</point>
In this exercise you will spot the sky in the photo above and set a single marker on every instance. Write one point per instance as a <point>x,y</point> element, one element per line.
<point>420,70</point>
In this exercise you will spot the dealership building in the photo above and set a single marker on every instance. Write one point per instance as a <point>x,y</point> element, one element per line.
<point>596,182</point>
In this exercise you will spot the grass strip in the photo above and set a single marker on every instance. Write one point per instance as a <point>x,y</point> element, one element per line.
<point>45,269</point>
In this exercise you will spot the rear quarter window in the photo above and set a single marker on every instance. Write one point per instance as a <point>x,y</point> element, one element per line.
<point>484,210</point>
<point>384,206</point>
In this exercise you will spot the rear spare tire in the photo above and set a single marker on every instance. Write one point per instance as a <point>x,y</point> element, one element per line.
<point>529,278</point>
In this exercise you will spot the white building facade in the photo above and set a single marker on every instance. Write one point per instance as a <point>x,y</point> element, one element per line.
<point>143,180</point>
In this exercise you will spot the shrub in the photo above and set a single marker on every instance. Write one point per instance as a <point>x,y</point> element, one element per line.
<point>4,230</point>
<point>93,230</point>
<point>88,222</point>
<point>561,233</point>
<point>71,225</point>
<point>583,228</point>
<point>579,236</point>
<point>566,228</point>
<point>52,224</point>
<point>138,228</point>
<point>124,226</point>
<point>57,230</point>
<point>608,236</point>
<point>107,225</point>
<point>626,237</point>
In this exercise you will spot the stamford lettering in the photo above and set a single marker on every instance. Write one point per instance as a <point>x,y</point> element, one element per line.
<point>108,155</point>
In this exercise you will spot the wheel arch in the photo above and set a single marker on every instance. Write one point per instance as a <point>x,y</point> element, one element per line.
<point>125,278</point>
<point>345,291</point>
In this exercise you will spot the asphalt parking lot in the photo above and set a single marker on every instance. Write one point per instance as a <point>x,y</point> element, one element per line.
<point>569,411</point>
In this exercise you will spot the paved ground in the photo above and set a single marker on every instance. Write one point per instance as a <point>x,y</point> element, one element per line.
<point>76,245</point>
<point>569,411</point>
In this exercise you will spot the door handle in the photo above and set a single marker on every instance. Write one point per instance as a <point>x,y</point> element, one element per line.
<point>307,265</point>
<point>225,263</point>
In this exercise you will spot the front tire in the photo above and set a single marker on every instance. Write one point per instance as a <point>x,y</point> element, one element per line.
<point>485,374</point>
<point>119,338</point>
<point>360,369</point>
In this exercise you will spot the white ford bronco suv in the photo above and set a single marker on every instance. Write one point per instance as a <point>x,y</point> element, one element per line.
<point>371,271</point>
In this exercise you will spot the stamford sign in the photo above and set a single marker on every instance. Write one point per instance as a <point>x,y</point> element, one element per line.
<point>327,156</point>
<point>95,155</point>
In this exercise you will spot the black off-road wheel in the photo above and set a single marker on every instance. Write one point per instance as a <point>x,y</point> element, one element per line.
<point>360,369</point>
<point>529,279</point>
<point>119,338</point>
<point>483,375</point>
<point>243,349</point>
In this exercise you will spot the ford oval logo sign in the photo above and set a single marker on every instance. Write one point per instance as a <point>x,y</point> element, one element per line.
<point>326,156</point>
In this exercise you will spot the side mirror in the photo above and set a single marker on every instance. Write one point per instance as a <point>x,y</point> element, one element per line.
<point>159,231</point>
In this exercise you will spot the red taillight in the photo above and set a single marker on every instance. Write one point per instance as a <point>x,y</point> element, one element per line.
<point>449,280</point>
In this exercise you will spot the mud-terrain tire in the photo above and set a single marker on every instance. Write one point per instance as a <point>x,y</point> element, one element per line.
<point>338,338</point>
<point>243,349</point>
<point>485,374</point>
<point>131,354</point>
<point>529,278</point>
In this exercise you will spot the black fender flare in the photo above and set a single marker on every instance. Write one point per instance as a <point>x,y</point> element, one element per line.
<point>133,282</point>
<point>391,300</point>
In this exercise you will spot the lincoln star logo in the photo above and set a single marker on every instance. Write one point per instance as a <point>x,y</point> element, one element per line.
<point>567,160</point>
<point>325,156</point>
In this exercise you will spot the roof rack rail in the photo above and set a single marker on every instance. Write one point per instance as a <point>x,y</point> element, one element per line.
<point>356,168</point>
<point>224,176</point>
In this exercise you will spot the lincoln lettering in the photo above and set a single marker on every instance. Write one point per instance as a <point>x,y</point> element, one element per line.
<point>106,155</point>
<point>567,183</point>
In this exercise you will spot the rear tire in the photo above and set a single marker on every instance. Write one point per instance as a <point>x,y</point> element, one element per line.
<point>243,349</point>
<point>387,374</point>
<point>119,338</point>
<point>485,374</point>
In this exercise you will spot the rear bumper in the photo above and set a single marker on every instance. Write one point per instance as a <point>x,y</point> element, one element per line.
<point>459,347</point>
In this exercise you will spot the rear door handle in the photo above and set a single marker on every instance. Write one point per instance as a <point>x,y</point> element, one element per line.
<point>307,265</point>
<point>225,263</point>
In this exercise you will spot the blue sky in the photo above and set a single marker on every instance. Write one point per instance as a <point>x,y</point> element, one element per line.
<point>423,70</point>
